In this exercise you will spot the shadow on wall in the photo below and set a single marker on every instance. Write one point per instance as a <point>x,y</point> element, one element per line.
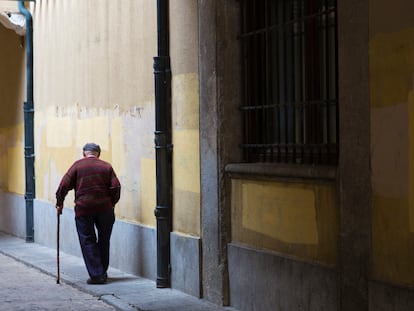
<point>12,214</point>
<point>12,78</point>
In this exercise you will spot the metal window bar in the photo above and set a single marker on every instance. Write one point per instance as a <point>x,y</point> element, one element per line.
<point>290,81</point>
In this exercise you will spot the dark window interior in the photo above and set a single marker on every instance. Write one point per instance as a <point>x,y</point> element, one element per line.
<point>290,95</point>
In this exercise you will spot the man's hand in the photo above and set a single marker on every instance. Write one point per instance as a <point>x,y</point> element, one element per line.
<point>59,209</point>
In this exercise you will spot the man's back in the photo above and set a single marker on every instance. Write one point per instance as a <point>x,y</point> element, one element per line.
<point>95,183</point>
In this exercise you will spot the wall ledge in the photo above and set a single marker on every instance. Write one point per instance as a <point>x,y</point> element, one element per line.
<point>277,171</point>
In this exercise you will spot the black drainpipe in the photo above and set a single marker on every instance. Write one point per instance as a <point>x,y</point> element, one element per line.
<point>28,126</point>
<point>163,145</point>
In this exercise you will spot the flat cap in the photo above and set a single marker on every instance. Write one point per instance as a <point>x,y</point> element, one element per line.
<point>92,147</point>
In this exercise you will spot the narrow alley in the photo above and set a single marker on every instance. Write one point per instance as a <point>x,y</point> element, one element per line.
<point>28,282</point>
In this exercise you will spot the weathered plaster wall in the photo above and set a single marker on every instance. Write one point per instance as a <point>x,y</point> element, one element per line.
<point>94,82</point>
<point>12,92</point>
<point>392,140</point>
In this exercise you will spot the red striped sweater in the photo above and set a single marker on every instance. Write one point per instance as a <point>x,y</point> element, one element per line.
<point>95,183</point>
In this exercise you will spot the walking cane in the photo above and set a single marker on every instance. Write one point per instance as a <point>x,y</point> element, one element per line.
<point>57,247</point>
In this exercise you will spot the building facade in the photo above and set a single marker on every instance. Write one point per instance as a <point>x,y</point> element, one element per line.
<point>290,134</point>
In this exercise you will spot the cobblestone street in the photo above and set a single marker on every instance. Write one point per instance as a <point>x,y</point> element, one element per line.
<point>26,288</point>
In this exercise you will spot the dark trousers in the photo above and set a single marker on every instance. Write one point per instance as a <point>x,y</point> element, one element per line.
<point>95,250</point>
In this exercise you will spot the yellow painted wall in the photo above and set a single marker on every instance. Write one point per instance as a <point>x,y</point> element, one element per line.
<point>392,140</point>
<point>94,81</point>
<point>185,101</point>
<point>296,219</point>
<point>12,95</point>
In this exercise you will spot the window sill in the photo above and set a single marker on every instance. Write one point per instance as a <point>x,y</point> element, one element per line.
<point>284,171</point>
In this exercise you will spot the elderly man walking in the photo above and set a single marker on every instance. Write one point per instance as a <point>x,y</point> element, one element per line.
<point>97,190</point>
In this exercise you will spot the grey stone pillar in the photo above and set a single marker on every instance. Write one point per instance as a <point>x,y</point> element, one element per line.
<point>354,186</point>
<point>219,136</point>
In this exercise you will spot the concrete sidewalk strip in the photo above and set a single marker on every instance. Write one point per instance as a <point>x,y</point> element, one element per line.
<point>118,303</point>
<point>123,291</point>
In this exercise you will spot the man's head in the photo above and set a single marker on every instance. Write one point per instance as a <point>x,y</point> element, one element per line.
<point>91,149</point>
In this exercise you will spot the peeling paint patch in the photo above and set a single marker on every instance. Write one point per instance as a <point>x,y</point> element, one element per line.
<point>59,132</point>
<point>94,129</point>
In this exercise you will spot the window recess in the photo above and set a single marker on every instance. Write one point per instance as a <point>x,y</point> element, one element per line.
<point>290,93</point>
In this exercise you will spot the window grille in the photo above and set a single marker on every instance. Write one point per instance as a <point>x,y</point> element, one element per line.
<point>290,94</point>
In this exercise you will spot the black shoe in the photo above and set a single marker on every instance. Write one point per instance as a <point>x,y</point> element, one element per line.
<point>96,281</point>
